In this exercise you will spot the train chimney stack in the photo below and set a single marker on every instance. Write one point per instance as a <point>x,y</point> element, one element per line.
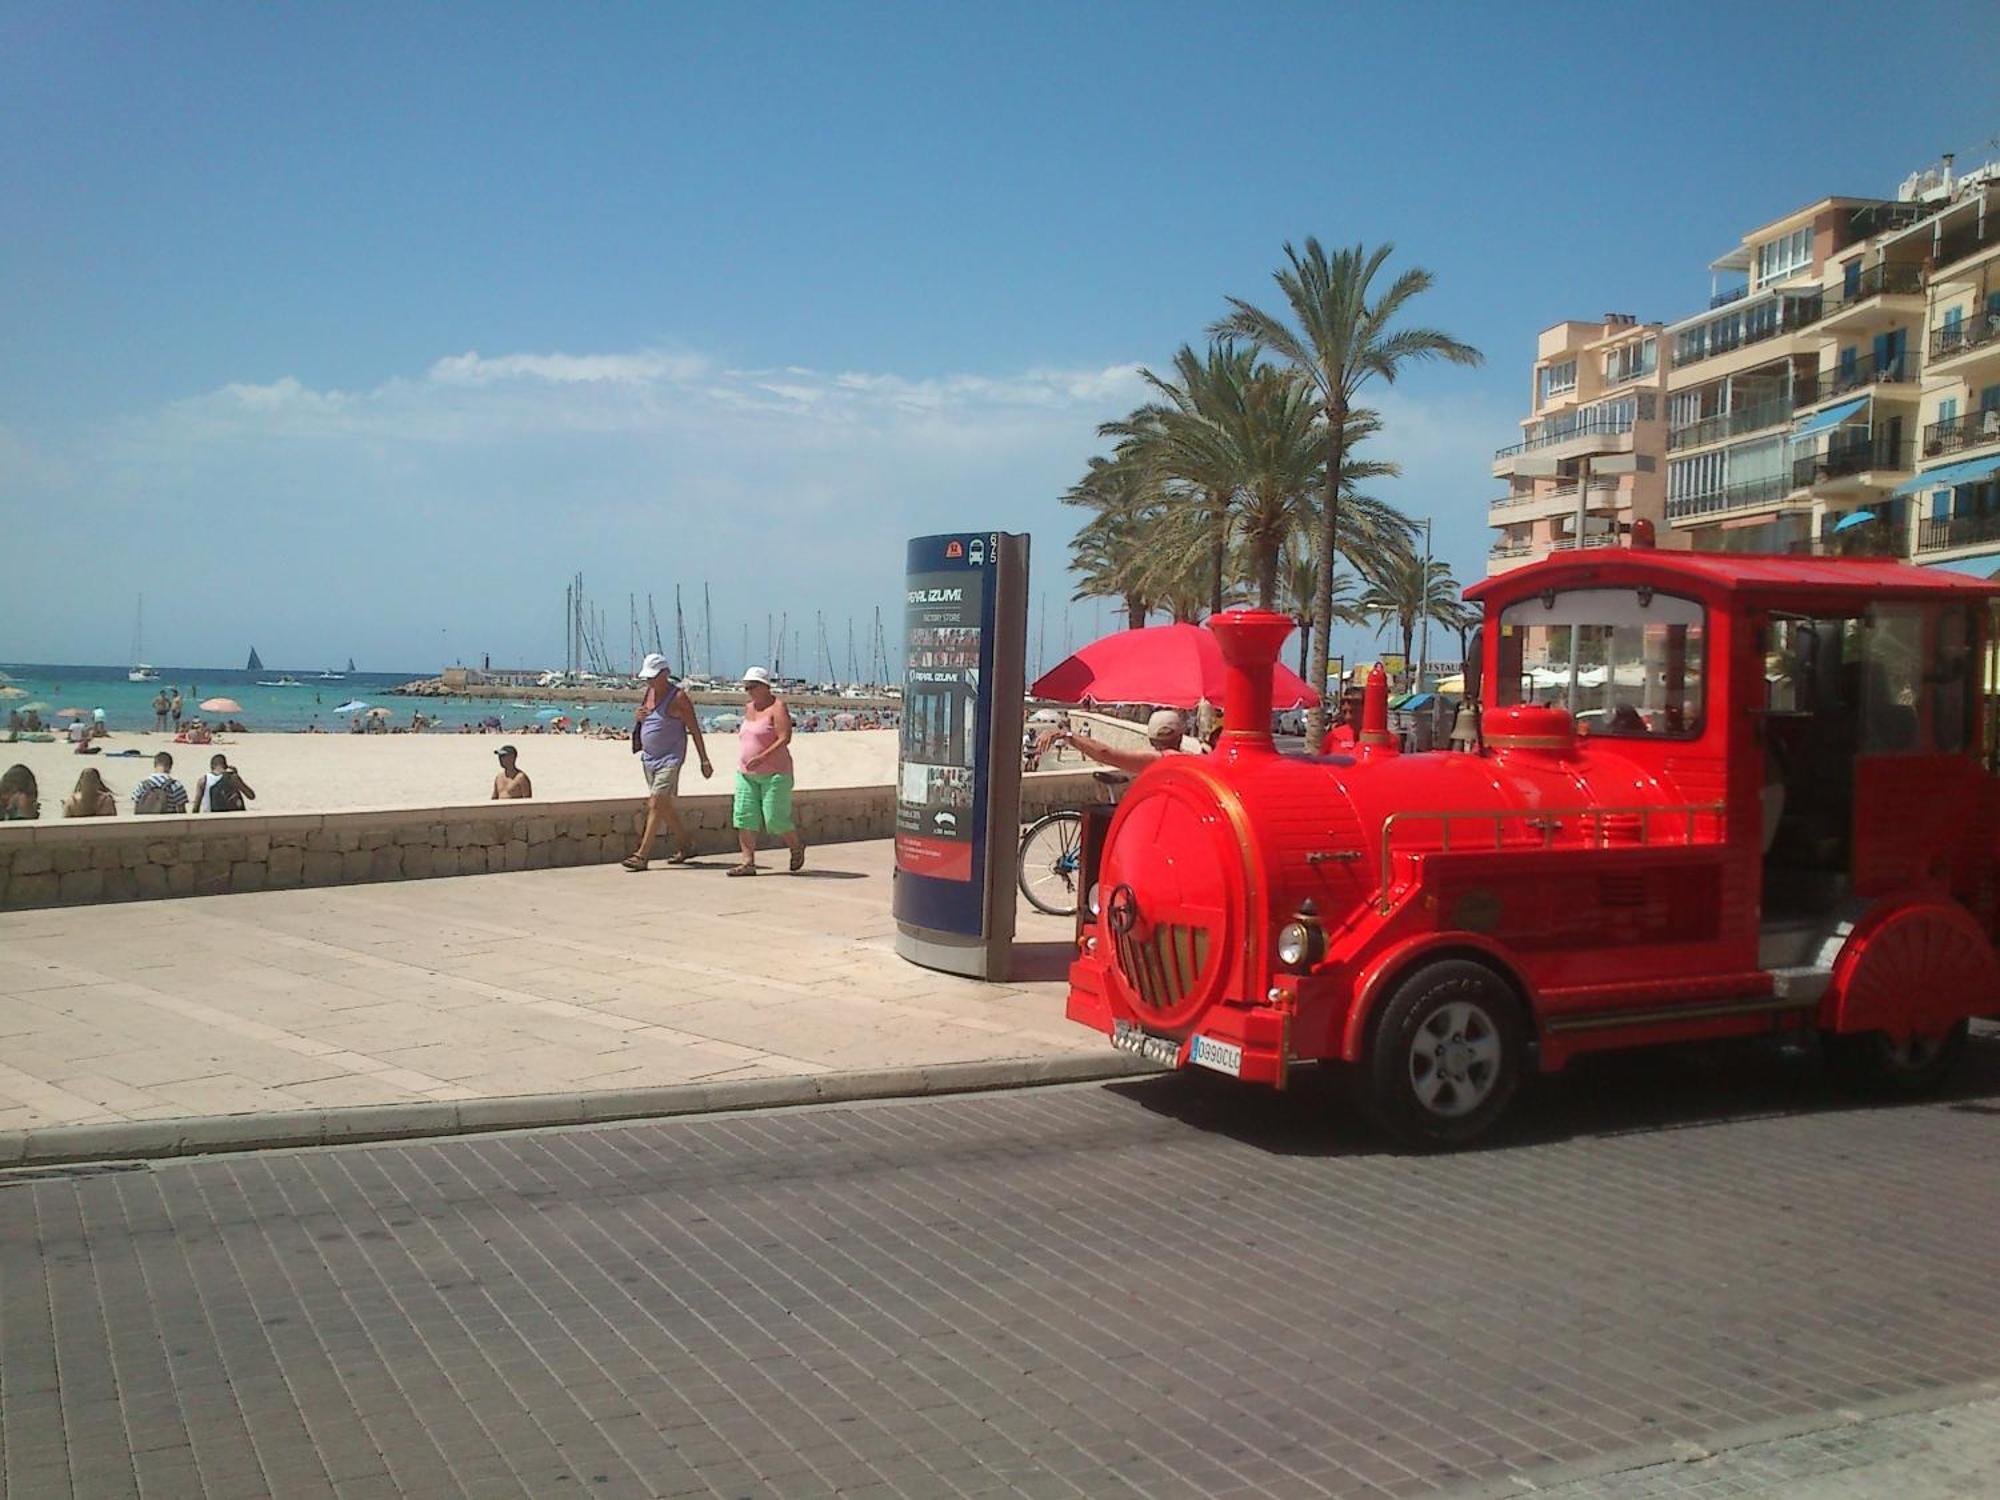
<point>1375,710</point>
<point>1250,640</point>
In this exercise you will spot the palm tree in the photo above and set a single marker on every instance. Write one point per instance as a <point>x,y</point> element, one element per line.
<point>1110,550</point>
<point>1405,592</point>
<point>1342,341</point>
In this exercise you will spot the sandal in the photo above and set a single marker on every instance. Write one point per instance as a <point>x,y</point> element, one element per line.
<point>799,858</point>
<point>680,856</point>
<point>742,869</point>
<point>635,863</point>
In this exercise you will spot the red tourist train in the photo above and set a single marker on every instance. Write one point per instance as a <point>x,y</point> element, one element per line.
<point>1710,796</point>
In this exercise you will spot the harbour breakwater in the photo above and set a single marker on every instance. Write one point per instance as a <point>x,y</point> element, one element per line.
<point>437,687</point>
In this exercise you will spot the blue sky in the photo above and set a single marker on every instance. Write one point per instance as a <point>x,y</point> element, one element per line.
<point>356,329</point>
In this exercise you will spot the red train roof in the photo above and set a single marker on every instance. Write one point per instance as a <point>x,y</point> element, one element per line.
<point>1735,573</point>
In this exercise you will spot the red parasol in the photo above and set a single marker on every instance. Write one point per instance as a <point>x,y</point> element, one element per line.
<point>1174,666</point>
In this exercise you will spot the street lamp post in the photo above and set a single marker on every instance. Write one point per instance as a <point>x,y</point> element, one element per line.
<point>1423,611</point>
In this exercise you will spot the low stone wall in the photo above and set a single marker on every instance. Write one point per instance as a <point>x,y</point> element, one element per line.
<point>74,862</point>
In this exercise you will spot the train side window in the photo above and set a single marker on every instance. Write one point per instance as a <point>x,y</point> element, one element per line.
<point>1891,670</point>
<point>1949,681</point>
<point>1628,662</point>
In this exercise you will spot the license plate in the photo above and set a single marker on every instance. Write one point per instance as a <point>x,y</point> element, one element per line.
<point>1224,1057</point>
<point>1163,1050</point>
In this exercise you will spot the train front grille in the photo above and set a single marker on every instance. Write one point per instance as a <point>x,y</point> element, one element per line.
<point>1164,965</point>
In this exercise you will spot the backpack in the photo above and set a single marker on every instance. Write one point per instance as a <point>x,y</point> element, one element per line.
<point>222,795</point>
<point>150,798</point>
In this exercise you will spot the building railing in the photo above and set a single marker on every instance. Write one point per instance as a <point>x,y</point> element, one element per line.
<point>1858,375</point>
<point>1970,429</point>
<point>1956,244</point>
<point>1723,299</point>
<point>1512,549</point>
<point>1975,332</point>
<point>1938,533</point>
<point>1842,459</point>
<point>1591,539</point>
<point>1876,539</point>
<point>1735,497</point>
<point>1601,490</point>
<point>1584,427</point>
<point>1884,278</point>
<point>1794,313</point>
<point>1729,424</point>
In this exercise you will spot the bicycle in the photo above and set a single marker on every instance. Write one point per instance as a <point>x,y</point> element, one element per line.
<point>1051,856</point>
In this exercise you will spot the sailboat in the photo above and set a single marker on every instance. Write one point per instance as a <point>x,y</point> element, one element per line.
<point>256,662</point>
<point>140,672</point>
<point>350,664</point>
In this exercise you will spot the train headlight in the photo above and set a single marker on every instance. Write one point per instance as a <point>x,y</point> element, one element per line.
<point>1092,901</point>
<point>1301,943</point>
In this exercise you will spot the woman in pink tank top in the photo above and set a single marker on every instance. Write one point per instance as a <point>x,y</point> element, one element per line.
<point>764,774</point>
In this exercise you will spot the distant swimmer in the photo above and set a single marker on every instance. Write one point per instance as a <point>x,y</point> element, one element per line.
<point>512,780</point>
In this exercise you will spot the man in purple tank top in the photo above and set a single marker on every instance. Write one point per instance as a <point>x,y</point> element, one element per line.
<point>660,733</point>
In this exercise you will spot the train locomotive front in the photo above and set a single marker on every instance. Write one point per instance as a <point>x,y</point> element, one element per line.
<point>1249,910</point>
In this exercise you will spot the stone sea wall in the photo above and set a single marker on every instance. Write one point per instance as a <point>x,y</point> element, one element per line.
<point>74,862</point>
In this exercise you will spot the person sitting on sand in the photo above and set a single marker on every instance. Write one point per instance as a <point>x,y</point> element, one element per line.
<point>160,792</point>
<point>92,798</point>
<point>222,790</point>
<point>20,797</point>
<point>512,780</point>
<point>79,737</point>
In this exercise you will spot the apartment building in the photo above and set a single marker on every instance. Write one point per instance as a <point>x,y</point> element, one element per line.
<point>1843,395</point>
<point>1595,425</point>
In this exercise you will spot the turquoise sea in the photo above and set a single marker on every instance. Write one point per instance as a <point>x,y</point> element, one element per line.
<point>129,705</point>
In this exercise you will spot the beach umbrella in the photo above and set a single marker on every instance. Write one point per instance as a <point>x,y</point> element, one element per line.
<point>1174,666</point>
<point>218,706</point>
<point>13,692</point>
<point>376,713</point>
<point>72,713</point>
<point>352,706</point>
<point>1858,518</point>
<point>37,707</point>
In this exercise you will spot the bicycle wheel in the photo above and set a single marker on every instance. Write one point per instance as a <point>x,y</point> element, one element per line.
<point>1051,851</point>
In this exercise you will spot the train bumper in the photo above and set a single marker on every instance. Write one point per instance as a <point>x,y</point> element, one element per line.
<point>1246,1042</point>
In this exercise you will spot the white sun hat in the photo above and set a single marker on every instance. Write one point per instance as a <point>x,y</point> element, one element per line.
<point>757,674</point>
<point>653,665</point>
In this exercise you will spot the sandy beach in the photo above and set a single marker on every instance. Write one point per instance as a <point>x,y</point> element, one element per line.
<point>343,772</point>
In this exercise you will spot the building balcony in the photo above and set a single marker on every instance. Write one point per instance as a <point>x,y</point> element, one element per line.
<point>1795,313</point>
<point>1592,539</point>
<point>1947,534</point>
<point>1511,549</point>
<point>1515,510</point>
<point>1752,495</point>
<point>1959,434</point>
<point>1591,436</point>
<point>1965,347</point>
<point>1970,238</point>
<point>1730,424</point>
<point>1849,467</point>
<point>1878,539</point>
<point>1882,296</point>
<point>1860,375</point>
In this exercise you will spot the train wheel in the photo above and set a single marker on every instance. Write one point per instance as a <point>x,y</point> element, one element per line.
<point>1872,1063</point>
<point>1446,1055</point>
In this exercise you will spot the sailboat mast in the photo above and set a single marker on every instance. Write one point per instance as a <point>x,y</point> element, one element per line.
<point>707,631</point>
<point>680,633</point>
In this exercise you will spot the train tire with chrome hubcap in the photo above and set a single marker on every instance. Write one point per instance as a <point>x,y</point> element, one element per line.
<point>1445,1055</point>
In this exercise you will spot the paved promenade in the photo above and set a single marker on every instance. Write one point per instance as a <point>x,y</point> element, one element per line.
<point>1699,1275</point>
<point>543,982</point>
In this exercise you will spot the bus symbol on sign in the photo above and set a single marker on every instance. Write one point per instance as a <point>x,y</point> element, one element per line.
<point>954,549</point>
<point>978,557</point>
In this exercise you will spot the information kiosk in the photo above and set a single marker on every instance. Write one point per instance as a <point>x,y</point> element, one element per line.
<point>958,774</point>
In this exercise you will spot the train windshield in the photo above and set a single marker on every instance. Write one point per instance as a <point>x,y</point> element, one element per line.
<point>1625,662</point>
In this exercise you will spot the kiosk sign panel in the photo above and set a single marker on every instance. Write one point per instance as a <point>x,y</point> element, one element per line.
<point>960,617</point>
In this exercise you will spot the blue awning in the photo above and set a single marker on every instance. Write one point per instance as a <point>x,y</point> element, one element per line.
<point>1950,476</point>
<point>1833,416</point>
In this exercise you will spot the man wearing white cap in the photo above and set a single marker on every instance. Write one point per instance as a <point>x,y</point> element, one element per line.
<point>1164,733</point>
<point>660,732</point>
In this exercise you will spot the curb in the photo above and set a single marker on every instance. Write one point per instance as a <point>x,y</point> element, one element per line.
<point>198,1135</point>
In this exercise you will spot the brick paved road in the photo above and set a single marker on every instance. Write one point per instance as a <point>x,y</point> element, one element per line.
<point>1161,1288</point>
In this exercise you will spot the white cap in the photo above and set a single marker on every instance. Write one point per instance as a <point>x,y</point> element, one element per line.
<point>1164,722</point>
<point>757,674</point>
<point>653,665</point>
